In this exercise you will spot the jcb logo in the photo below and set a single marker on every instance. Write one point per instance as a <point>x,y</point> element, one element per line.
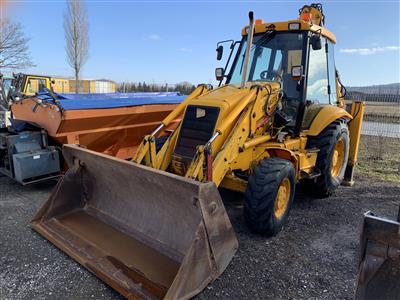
<point>200,113</point>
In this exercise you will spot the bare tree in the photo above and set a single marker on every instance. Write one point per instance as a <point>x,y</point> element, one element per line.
<point>14,50</point>
<point>77,37</point>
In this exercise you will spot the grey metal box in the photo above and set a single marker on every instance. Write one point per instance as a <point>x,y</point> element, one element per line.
<point>30,166</point>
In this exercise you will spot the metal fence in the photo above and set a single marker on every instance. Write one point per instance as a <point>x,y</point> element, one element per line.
<point>382,109</point>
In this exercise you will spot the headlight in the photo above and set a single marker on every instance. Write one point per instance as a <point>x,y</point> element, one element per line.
<point>294,26</point>
<point>297,72</point>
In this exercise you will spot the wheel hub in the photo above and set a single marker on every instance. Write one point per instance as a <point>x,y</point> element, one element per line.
<point>282,198</point>
<point>337,158</point>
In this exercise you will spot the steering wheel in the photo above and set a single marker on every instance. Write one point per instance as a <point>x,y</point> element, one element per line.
<point>276,76</point>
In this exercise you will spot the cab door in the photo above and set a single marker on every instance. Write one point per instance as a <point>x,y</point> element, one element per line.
<point>318,81</point>
<point>321,81</point>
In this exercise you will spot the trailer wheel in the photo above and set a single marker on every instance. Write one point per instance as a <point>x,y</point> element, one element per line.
<point>333,144</point>
<point>269,195</point>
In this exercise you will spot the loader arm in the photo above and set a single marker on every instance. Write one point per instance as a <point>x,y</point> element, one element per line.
<point>247,118</point>
<point>244,122</point>
<point>223,127</point>
<point>147,148</point>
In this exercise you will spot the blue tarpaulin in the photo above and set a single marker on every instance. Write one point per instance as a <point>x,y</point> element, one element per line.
<point>116,95</point>
<point>99,101</point>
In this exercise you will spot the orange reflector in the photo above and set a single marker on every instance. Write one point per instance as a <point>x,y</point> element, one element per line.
<point>306,16</point>
<point>259,21</point>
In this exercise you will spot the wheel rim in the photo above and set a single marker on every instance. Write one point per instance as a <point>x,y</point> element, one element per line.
<point>337,158</point>
<point>282,198</point>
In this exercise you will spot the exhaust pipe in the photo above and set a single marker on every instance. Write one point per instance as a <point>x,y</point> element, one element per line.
<point>250,34</point>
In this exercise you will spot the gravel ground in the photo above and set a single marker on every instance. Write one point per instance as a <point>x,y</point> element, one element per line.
<point>315,256</point>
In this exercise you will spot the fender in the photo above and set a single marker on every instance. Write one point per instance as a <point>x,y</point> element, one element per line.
<point>326,116</point>
<point>280,152</point>
<point>303,161</point>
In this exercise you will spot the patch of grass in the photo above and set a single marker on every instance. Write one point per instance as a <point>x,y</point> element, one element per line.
<point>379,157</point>
<point>382,108</point>
<point>382,112</point>
<point>382,118</point>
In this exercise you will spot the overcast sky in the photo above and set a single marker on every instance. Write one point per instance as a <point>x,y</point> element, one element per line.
<point>173,41</point>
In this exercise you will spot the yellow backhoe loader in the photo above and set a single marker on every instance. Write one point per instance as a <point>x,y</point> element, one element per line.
<point>156,227</point>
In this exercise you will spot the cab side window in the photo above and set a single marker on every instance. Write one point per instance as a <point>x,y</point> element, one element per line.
<point>317,83</point>
<point>332,74</point>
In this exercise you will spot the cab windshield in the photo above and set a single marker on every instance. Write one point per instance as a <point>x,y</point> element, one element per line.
<point>271,59</point>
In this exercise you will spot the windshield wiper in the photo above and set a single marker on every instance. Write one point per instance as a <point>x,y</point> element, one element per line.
<point>266,37</point>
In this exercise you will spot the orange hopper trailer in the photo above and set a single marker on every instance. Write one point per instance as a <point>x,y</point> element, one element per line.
<point>115,130</point>
<point>113,124</point>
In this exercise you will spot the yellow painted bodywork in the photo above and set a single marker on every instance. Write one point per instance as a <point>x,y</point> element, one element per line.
<point>146,150</point>
<point>284,26</point>
<point>244,136</point>
<point>244,133</point>
<point>338,158</point>
<point>282,198</point>
<point>357,111</point>
<point>326,116</point>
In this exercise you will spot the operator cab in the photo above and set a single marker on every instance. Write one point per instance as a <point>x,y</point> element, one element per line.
<point>286,56</point>
<point>272,57</point>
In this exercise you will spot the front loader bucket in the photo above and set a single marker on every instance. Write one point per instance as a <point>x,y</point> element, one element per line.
<point>147,233</point>
<point>379,269</point>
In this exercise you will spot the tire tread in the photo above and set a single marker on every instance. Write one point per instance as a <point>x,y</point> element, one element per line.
<point>261,192</point>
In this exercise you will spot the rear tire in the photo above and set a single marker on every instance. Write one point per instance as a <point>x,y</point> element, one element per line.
<point>269,195</point>
<point>333,144</point>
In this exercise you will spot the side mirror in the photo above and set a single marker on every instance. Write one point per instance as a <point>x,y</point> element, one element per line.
<point>12,90</point>
<point>53,82</point>
<point>219,74</point>
<point>297,72</point>
<point>316,42</point>
<point>220,51</point>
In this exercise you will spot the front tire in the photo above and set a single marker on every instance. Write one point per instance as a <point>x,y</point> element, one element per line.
<point>269,195</point>
<point>333,144</point>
